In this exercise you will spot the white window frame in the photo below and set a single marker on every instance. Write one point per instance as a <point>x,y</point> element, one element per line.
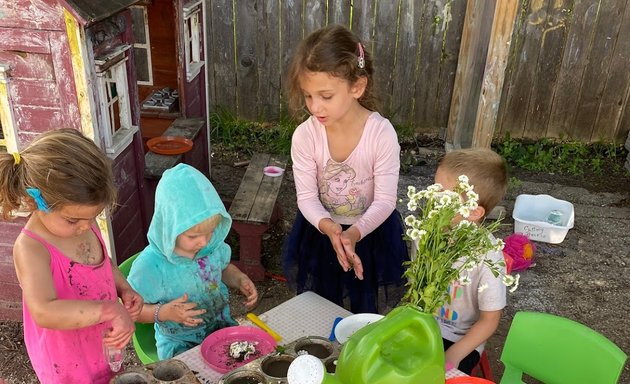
<point>114,63</point>
<point>6,112</point>
<point>192,39</point>
<point>146,45</point>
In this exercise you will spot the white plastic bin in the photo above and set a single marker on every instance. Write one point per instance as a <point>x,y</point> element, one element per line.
<point>530,214</point>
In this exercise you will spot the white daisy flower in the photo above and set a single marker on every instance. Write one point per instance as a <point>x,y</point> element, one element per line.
<point>515,283</point>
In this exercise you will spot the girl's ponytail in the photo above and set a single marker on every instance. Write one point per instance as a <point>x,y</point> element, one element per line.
<point>12,188</point>
<point>59,167</point>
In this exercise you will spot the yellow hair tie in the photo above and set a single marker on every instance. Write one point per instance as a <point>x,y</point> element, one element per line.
<point>16,158</point>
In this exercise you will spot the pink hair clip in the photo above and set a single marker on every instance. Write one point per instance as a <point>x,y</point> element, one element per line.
<point>361,56</point>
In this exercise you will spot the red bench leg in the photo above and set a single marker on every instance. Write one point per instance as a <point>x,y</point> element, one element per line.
<point>250,238</point>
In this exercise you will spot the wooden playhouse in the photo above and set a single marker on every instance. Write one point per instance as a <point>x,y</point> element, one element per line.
<point>121,72</point>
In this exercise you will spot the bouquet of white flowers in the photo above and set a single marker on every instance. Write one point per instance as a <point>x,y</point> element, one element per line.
<point>447,244</point>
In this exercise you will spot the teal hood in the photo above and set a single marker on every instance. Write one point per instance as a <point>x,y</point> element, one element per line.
<point>184,198</point>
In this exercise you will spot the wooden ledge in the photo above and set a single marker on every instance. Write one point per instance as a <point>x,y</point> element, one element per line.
<point>154,164</point>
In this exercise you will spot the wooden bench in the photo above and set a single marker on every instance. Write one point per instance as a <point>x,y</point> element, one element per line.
<point>254,209</point>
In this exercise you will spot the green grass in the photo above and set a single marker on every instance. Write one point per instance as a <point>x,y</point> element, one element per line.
<point>545,155</point>
<point>250,136</point>
<point>562,155</point>
<point>273,137</point>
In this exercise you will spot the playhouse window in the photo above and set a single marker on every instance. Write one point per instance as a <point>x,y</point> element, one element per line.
<point>142,45</point>
<point>8,142</point>
<point>193,50</point>
<point>115,118</point>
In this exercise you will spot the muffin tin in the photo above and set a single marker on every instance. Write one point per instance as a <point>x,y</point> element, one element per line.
<point>272,368</point>
<point>166,371</point>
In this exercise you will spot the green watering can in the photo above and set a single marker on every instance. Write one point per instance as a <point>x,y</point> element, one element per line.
<point>403,347</point>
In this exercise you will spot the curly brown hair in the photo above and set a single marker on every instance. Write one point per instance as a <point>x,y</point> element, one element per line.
<point>334,50</point>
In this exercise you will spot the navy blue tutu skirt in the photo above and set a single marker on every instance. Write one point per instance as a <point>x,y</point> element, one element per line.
<point>310,264</point>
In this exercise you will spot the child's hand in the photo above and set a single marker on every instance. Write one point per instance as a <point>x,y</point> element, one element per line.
<point>334,232</point>
<point>182,311</point>
<point>348,241</point>
<point>133,302</point>
<point>248,289</point>
<point>122,327</point>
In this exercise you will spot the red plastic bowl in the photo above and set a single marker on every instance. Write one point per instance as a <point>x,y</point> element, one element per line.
<point>169,145</point>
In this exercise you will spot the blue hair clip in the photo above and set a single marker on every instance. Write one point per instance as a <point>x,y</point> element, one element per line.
<point>39,200</point>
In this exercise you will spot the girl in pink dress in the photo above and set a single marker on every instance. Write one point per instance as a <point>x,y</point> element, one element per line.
<point>70,289</point>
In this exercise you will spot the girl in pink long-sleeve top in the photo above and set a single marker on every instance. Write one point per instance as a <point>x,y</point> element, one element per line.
<point>347,240</point>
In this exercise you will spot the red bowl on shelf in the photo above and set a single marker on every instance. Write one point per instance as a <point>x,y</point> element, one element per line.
<point>169,145</point>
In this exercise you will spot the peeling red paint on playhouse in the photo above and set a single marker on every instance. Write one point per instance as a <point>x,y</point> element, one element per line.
<point>90,65</point>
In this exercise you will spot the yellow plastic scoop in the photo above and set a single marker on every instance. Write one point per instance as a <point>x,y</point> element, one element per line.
<point>256,320</point>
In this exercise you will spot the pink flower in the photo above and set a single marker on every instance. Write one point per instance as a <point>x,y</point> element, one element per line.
<point>520,250</point>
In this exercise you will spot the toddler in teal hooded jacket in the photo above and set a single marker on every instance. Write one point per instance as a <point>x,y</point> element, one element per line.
<point>184,272</point>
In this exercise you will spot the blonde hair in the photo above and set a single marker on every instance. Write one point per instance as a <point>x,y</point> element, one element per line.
<point>486,171</point>
<point>333,50</point>
<point>208,224</point>
<point>66,167</point>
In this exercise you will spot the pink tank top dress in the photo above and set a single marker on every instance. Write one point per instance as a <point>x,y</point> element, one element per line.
<point>73,356</point>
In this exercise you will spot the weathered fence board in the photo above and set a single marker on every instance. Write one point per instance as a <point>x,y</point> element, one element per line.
<point>223,66</point>
<point>494,75</point>
<point>551,22</point>
<point>314,16</point>
<point>615,94</point>
<point>406,58</point>
<point>606,31</point>
<point>246,53</point>
<point>524,62</point>
<point>385,32</point>
<point>564,105</point>
<point>291,30</point>
<point>339,12</point>
<point>566,74</point>
<point>473,53</point>
<point>363,21</point>
<point>268,59</point>
<point>433,27</point>
<point>448,65</point>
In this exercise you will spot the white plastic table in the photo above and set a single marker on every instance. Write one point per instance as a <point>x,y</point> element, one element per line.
<point>307,314</point>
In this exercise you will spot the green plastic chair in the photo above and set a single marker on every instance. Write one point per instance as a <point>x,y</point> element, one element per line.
<point>144,336</point>
<point>557,350</point>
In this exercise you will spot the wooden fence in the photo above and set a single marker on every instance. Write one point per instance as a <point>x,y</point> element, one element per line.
<point>568,72</point>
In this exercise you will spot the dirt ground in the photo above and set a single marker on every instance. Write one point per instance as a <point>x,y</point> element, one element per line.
<point>585,278</point>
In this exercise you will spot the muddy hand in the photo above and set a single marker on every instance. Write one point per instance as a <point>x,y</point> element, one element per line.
<point>183,311</point>
<point>354,261</point>
<point>335,237</point>
<point>356,264</point>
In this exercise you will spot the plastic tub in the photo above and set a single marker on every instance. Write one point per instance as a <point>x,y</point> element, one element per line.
<point>530,218</point>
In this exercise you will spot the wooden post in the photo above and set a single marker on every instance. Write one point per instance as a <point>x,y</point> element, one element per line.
<point>492,84</point>
<point>480,73</point>
<point>470,68</point>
